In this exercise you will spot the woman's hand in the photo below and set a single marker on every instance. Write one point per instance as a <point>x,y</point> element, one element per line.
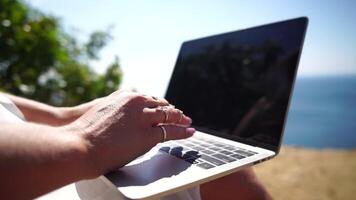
<point>66,115</point>
<point>125,125</point>
<point>108,133</point>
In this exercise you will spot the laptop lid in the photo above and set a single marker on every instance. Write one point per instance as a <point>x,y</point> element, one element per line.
<point>238,85</point>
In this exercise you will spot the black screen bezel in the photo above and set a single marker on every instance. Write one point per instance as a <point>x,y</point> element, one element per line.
<point>276,149</point>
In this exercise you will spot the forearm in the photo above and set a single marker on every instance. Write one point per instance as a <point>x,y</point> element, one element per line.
<point>42,113</point>
<point>39,161</point>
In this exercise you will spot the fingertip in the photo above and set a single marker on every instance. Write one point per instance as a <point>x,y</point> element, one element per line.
<point>175,132</point>
<point>189,119</point>
<point>185,121</point>
<point>190,131</point>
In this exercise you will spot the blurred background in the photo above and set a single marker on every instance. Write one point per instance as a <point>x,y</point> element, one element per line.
<point>67,52</point>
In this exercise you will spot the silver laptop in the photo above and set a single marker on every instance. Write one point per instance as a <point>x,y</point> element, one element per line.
<point>236,87</point>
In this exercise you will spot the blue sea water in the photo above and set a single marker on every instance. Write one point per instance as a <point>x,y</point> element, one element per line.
<point>323,113</point>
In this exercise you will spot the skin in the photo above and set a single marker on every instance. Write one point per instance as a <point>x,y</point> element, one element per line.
<point>47,157</point>
<point>243,184</point>
<point>45,114</point>
<point>58,146</point>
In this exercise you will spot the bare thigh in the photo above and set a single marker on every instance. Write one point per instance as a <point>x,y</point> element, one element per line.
<point>240,185</point>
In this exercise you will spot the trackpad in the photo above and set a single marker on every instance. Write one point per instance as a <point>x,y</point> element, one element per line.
<point>160,165</point>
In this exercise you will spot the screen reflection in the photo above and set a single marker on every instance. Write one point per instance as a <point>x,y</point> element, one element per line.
<point>237,85</point>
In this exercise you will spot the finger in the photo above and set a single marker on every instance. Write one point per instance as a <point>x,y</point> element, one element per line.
<point>172,132</point>
<point>153,102</point>
<point>167,115</point>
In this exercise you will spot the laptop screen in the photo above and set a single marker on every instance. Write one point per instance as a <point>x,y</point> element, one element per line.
<point>237,85</point>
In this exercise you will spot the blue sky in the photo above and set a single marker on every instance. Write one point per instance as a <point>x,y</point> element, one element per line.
<point>148,34</point>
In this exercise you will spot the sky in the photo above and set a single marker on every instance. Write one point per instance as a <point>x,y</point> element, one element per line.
<point>147,34</point>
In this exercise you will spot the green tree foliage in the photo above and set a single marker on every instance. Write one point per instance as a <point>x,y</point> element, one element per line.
<point>39,60</point>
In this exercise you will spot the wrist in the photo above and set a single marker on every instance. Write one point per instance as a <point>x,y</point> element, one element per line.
<point>81,151</point>
<point>66,115</point>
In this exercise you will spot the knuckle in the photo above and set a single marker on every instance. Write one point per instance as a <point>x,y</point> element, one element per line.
<point>164,100</point>
<point>136,98</point>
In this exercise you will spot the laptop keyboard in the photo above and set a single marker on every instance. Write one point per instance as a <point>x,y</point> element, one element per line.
<point>205,153</point>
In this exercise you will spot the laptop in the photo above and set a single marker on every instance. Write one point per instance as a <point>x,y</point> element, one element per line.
<point>236,87</point>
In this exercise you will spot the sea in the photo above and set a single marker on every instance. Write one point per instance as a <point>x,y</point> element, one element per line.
<point>322,113</point>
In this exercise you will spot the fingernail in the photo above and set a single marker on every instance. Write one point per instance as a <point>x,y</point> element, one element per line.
<point>190,131</point>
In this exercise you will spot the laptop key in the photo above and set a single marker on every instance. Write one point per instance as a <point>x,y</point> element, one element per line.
<point>195,142</point>
<point>192,154</point>
<point>251,152</point>
<point>192,160</point>
<point>215,149</point>
<point>205,165</point>
<point>219,144</point>
<point>189,144</point>
<point>237,156</point>
<point>226,152</point>
<point>212,160</point>
<point>165,149</point>
<point>205,145</point>
<point>197,148</point>
<point>206,151</point>
<point>231,148</point>
<point>223,158</point>
<point>244,153</point>
<point>177,152</point>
